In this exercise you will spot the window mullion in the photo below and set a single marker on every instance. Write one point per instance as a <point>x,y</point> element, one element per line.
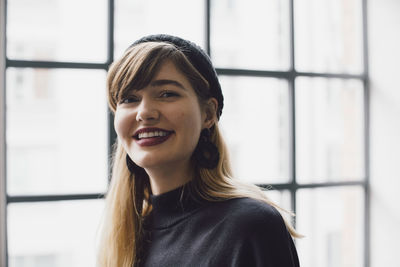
<point>3,192</point>
<point>367,197</point>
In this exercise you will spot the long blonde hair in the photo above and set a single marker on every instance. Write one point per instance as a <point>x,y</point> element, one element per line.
<point>127,198</point>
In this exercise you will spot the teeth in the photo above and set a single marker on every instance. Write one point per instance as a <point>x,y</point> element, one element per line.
<point>152,134</point>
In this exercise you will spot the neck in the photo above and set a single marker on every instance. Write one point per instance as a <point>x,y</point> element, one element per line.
<point>167,178</point>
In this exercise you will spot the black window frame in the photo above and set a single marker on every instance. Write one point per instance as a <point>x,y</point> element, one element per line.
<point>290,76</point>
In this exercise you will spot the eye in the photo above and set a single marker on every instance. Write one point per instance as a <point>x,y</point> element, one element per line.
<point>168,94</point>
<point>129,99</point>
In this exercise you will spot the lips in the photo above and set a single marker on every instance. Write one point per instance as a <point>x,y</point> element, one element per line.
<point>151,136</point>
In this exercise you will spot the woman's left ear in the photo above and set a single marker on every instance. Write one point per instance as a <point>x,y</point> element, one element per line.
<point>210,112</point>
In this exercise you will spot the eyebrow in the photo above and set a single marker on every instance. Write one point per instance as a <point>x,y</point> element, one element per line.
<point>166,82</point>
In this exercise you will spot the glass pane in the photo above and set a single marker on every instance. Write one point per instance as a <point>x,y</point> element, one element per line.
<point>135,19</point>
<point>329,128</point>
<point>60,30</point>
<point>56,131</point>
<point>255,127</point>
<point>332,221</point>
<point>250,35</point>
<point>328,36</point>
<point>57,234</point>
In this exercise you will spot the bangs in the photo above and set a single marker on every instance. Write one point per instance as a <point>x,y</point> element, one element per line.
<point>135,69</point>
<point>140,63</point>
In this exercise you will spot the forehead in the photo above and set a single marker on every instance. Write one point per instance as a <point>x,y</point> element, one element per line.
<point>168,71</point>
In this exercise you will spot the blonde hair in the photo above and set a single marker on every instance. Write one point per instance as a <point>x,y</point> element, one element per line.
<point>127,198</point>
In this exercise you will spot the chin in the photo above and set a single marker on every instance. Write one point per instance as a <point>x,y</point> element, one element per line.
<point>161,162</point>
<point>150,163</point>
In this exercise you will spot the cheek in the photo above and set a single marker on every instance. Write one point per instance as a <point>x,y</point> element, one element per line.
<point>122,123</point>
<point>190,122</point>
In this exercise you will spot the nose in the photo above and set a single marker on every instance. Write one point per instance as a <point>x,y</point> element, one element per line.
<point>147,111</point>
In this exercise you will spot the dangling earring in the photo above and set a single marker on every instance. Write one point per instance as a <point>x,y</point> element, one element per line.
<point>206,153</point>
<point>132,167</point>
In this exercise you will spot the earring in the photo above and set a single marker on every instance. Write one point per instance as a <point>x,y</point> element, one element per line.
<point>206,153</point>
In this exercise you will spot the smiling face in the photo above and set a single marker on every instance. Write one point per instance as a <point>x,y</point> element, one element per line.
<point>159,125</point>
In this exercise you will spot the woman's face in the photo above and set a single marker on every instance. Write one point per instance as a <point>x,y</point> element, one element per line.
<point>159,125</point>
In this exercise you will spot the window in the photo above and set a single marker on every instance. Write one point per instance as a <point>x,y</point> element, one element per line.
<point>294,76</point>
<point>56,130</point>
<point>295,80</point>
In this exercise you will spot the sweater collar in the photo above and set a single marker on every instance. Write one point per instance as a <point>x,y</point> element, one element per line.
<point>171,207</point>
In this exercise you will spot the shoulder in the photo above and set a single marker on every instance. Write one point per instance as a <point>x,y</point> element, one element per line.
<point>248,218</point>
<point>253,212</point>
<point>260,234</point>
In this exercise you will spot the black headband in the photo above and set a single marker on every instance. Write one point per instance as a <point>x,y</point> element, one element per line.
<point>199,59</point>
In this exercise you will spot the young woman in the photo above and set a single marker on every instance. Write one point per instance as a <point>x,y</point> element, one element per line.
<point>172,200</point>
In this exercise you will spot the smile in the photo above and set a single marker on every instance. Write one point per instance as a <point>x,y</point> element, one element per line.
<point>151,136</point>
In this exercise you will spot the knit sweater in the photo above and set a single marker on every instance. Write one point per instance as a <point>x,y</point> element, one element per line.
<point>184,230</point>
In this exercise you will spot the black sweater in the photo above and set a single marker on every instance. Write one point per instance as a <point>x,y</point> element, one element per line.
<point>183,230</point>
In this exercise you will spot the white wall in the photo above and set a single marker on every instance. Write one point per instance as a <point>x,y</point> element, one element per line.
<point>384,48</point>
